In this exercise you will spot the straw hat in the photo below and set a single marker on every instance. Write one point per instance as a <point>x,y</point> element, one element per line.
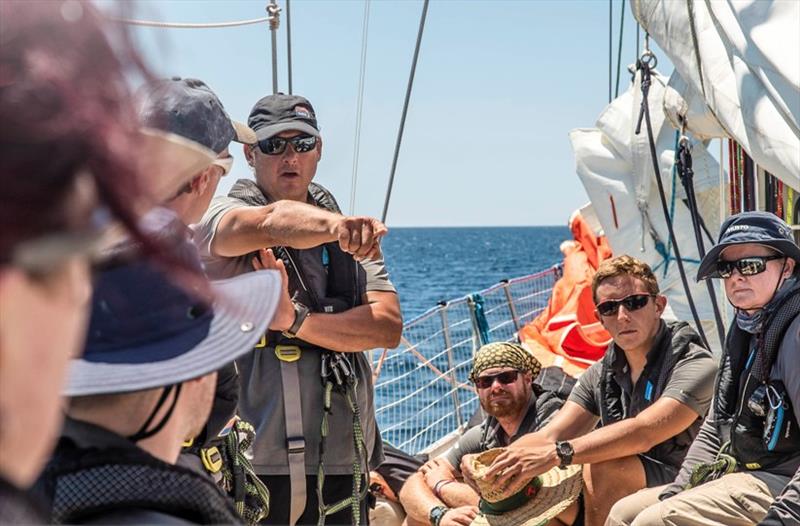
<point>531,502</point>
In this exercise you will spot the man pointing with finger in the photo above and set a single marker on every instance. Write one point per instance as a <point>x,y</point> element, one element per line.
<point>309,369</point>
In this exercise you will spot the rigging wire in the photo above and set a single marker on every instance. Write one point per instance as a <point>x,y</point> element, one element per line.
<point>405,109</point>
<point>610,51</point>
<point>289,44</point>
<point>182,25</point>
<point>619,46</point>
<point>274,10</point>
<point>359,106</point>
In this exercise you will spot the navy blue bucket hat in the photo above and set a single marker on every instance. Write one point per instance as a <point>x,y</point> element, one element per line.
<point>762,228</point>
<point>146,332</point>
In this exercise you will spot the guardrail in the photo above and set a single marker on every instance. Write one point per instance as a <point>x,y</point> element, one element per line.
<point>422,391</point>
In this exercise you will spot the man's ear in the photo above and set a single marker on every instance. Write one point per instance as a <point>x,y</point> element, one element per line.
<point>199,182</point>
<point>249,154</point>
<point>319,148</point>
<point>661,303</point>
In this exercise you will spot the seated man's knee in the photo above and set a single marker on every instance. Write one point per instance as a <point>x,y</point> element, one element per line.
<point>627,509</point>
<point>619,475</point>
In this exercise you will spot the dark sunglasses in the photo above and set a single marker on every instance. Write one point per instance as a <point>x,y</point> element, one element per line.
<point>506,377</point>
<point>631,303</point>
<point>277,145</point>
<point>749,266</point>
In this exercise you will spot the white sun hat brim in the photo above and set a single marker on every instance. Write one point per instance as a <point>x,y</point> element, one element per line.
<point>243,309</point>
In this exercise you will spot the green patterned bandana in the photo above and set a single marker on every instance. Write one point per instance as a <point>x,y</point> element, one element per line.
<point>504,354</point>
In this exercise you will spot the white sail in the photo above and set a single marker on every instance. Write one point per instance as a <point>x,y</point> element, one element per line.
<point>748,72</point>
<point>615,167</point>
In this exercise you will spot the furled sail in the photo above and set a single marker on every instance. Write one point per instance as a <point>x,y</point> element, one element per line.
<point>742,58</point>
<point>614,165</point>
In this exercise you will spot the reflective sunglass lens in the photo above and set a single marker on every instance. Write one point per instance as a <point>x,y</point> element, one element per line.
<point>631,303</point>
<point>277,145</point>
<point>304,144</point>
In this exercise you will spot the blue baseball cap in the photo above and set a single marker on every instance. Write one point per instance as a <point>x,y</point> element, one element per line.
<point>188,107</point>
<point>762,228</point>
<point>147,332</point>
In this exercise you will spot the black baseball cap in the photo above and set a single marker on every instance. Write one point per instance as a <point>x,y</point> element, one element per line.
<point>188,107</point>
<point>277,113</point>
<point>762,228</point>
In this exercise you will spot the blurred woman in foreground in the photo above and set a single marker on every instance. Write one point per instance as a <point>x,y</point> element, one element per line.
<point>68,168</point>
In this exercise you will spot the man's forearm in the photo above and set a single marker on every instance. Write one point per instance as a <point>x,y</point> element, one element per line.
<point>283,223</point>
<point>455,494</point>
<point>374,325</point>
<point>417,498</point>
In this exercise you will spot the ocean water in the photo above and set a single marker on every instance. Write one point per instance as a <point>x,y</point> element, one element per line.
<point>415,405</point>
<point>428,265</point>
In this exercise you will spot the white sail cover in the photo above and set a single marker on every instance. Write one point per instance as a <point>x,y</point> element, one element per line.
<point>615,167</point>
<point>748,71</point>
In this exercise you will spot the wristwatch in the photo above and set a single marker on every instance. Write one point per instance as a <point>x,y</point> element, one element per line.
<point>301,312</point>
<point>436,514</point>
<point>564,451</point>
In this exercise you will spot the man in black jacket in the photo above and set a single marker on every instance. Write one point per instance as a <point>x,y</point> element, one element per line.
<point>649,393</point>
<point>503,374</point>
<point>744,465</point>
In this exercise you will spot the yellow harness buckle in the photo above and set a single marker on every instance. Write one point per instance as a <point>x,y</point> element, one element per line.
<point>262,342</point>
<point>212,460</point>
<point>287,353</point>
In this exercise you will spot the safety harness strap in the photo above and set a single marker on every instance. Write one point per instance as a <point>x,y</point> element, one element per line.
<point>295,441</point>
<point>360,488</point>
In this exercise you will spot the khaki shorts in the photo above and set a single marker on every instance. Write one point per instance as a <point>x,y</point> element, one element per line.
<point>735,499</point>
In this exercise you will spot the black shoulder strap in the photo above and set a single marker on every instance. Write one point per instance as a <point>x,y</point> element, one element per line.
<point>610,392</point>
<point>777,325</point>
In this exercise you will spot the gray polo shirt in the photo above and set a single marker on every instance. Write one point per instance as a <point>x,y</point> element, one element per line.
<point>261,396</point>
<point>691,383</point>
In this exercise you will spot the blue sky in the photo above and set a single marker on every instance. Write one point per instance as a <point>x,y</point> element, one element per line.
<point>498,87</point>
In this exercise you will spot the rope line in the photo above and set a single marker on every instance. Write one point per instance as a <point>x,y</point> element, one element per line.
<point>644,113</point>
<point>189,25</point>
<point>359,106</point>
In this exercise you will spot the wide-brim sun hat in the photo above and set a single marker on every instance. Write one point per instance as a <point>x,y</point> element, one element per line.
<point>147,332</point>
<point>761,228</point>
<point>557,490</point>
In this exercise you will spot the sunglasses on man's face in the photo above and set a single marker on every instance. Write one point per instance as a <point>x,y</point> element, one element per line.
<point>277,145</point>
<point>749,266</point>
<point>631,303</point>
<point>506,377</point>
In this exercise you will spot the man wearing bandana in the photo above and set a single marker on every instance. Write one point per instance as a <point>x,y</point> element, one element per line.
<point>503,374</point>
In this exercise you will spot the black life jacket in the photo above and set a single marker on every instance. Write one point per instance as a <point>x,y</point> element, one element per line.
<point>735,421</point>
<point>86,483</point>
<point>346,279</point>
